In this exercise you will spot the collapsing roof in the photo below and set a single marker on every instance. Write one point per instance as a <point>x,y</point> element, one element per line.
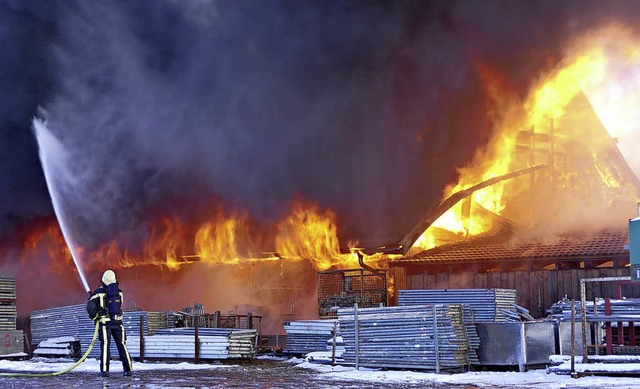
<point>500,247</point>
<point>586,187</point>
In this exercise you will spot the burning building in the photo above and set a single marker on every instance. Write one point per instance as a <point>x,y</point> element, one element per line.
<point>230,153</point>
<point>541,231</point>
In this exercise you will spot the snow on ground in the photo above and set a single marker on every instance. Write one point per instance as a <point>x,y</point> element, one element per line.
<point>533,378</point>
<point>47,365</point>
<point>538,378</point>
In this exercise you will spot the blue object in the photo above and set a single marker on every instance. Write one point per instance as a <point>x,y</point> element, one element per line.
<point>634,248</point>
<point>113,300</point>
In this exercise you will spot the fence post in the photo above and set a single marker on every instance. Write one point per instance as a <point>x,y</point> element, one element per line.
<point>355,321</point>
<point>141,338</point>
<point>333,349</point>
<point>583,309</point>
<point>573,338</point>
<point>435,338</point>
<point>197,339</point>
<point>596,326</point>
<point>608,335</point>
<point>522,363</point>
<point>216,319</point>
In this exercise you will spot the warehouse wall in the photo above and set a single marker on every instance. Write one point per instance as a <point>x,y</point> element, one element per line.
<point>537,289</point>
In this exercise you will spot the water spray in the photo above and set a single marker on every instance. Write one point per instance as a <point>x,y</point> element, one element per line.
<point>52,156</point>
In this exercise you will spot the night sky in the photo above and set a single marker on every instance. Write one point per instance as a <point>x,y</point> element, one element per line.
<point>363,107</point>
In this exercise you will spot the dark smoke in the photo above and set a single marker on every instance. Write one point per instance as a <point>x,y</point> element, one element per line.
<point>365,107</point>
<point>26,81</point>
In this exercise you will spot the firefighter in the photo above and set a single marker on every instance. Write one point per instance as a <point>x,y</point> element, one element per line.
<point>105,306</point>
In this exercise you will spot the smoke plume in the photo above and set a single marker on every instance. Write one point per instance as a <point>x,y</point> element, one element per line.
<point>364,107</point>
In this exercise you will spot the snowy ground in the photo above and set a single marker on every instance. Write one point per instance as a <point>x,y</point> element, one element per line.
<point>533,378</point>
<point>290,372</point>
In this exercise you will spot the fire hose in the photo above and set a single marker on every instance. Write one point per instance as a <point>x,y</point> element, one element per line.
<point>93,341</point>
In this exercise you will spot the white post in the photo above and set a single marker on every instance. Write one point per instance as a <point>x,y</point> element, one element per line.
<point>435,338</point>
<point>355,315</point>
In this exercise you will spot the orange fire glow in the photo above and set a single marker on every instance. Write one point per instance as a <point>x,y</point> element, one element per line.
<point>545,128</point>
<point>541,129</point>
<point>306,233</point>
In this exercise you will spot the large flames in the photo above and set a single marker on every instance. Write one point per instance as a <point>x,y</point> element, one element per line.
<point>549,127</point>
<point>306,233</point>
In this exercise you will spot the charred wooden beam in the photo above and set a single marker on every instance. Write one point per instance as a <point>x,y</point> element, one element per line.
<point>407,242</point>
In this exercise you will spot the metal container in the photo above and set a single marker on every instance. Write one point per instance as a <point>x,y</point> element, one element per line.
<point>516,344</point>
<point>564,337</point>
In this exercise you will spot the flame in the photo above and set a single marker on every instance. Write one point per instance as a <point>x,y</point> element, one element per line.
<point>606,175</point>
<point>309,233</point>
<point>216,240</point>
<point>588,62</point>
<point>306,233</point>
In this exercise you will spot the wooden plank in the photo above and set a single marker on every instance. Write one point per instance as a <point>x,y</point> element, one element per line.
<point>523,288</point>
<point>608,289</point>
<point>429,281</point>
<point>542,299</point>
<point>460,280</point>
<point>507,280</point>
<point>563,290</point>
<point>399,278</point>
<point>415,281</point>
<point>480,280</point>
<point>547,299</point>
<point>567,284</point>
<point>577,275</point>
<point>552,293</point>
<point>493,280</point>
<point>441,281</point>
<point>593,289</point>
<point>575,283</point>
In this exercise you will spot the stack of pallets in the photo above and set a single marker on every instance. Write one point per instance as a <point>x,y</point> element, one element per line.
<point>157,321</point>
<point>12,340</point>
<point>8,312</point>
<point>242,344</point>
